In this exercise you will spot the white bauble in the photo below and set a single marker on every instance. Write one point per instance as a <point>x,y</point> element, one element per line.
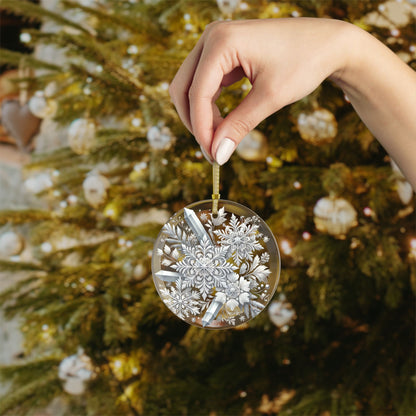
<point>74,386</point>
<point>159,137</point>
<point>228,7</point>
<point>11,244</point>
<point>81,135</point>
<point>76,370</point>
<point>281,312</point>
<point>140,271</point>
<point>38,183</point>
<point>42,107</point>
<point>95,188</point>
<point>253,147</point>
<point>334,216</point>
<point>317,127</point>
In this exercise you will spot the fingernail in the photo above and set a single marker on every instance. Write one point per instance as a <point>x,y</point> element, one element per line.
<point>225,150</point>
<point>207,156</point>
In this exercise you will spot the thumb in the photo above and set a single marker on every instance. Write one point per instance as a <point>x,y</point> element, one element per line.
<point>244,118</point>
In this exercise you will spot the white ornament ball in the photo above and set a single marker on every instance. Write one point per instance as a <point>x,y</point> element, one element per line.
<point>81,135</point>
<point>318,127</point>
<point>38,183</point>
<point>140,271</point>
<point>253,147</point>
<point>76,370</point>
<point>334,216</point>
<point>159,137</point>
<point>11,244</point>
<point>95,188</point>
<point>281,312</point>
<point>42,107</point>
<point>228,7</point>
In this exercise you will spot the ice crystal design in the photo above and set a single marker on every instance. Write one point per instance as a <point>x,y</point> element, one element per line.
<point>204,266</point>
<point>214,268</point>
<point>241,238</point>
<point>183,301</point>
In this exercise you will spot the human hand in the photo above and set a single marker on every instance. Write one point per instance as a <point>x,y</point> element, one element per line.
<point>284,59</point>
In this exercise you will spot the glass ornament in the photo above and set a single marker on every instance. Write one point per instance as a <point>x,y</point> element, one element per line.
<point>95,188</point>
<point>253,147</point>
<point>42,107</point>
<point>75,371</point>
<point>318,127</point>
<point>81,135</point>
<point>335,216</point>
<point>216,271</point>
<point>228,7</point>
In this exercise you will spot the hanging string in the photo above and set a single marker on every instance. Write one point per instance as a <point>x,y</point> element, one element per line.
<point>215,188</point>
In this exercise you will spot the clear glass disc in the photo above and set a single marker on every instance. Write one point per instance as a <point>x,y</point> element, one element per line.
<point>216,271</point>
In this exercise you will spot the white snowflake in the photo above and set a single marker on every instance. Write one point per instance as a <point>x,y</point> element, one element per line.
<point>183,301</point>
<point>204,266</point>
<point>237,293</point>
<point>240,238</point>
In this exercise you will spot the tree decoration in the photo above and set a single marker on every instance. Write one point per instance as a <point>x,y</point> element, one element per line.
<point>334,216</point>
<point>81,135</point>
<point>317,127</point>
<point>253,147</point>
<point>19,121</point>
<point>95,188</point>
<point>160,137</point>
<point>42,107</point>
<point>216,271</point>
<point>228,7</point>
<point>38,183</point>
<point>11,244</point>
<point>75,371</point>
<point>281,313</point>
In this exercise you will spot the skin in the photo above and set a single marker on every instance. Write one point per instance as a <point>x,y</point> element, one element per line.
<point>285,60</point>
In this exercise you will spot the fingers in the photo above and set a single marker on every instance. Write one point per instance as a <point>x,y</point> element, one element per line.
<point>203,92</point>
<point>179,87</point>
<point>252,110</point>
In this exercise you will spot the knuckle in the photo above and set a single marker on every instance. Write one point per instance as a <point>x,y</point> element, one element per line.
<point>241,127</point>
<point>219,33</point>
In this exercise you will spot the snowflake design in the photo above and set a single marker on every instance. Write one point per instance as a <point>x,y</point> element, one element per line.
<point>237,295</point>
<point>204,266</point>
<point>214,269</point>
<point>241,238</point>
<point>183,301</point>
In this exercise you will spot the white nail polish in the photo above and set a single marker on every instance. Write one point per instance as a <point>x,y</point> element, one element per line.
<point>225,150</point>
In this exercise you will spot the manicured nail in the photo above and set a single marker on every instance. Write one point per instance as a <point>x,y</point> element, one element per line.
<point>225,150</point>
<point>207,156</point>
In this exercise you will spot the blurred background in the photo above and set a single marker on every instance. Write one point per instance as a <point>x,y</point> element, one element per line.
<point>94,160</point>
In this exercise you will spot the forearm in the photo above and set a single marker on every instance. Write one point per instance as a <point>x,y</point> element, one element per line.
<point>382,90</point>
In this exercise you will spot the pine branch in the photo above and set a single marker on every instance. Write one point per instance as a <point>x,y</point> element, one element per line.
<point>24,216</point>
<point>33,11</point>
<point>36,384</point>
<point>136,23</point>
<point>16,59</point>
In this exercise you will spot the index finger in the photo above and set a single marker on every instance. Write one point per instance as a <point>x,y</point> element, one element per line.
<point>203,92</point>
<point>179,87</point>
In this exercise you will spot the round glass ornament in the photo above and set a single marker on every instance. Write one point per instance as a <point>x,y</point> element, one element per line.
<point>216,271</point>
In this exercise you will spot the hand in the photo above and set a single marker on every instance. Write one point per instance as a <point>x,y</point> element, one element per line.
<point>284,59</point>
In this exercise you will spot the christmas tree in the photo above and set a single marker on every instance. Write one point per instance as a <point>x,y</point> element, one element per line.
<point>338,336</point>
